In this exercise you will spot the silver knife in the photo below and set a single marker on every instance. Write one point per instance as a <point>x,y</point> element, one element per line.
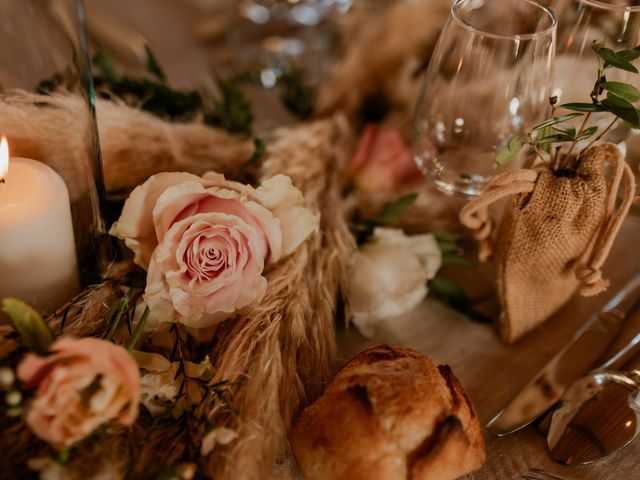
<point>584,350</point>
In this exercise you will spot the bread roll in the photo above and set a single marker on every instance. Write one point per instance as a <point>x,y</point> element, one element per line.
<point>389,414</point>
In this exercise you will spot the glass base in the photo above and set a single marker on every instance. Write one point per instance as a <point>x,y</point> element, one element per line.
<point>458,185</point>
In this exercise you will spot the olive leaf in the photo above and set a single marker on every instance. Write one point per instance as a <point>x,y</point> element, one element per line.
<point>29,324</point>
<point>565,129</point>
<point>557,137</point>
<point>623,90</point>
<point>622,109</point>
<point>507,153</point>
<point>583,107</point>
<point>555,120</point>
<point>619,102</point>
<point>587,132</point>
<point>630,54</point>
<point>613,59</point>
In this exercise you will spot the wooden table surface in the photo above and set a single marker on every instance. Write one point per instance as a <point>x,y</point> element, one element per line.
<point>493,372</point>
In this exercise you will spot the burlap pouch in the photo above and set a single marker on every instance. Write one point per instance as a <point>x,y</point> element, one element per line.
<point>554,235</point>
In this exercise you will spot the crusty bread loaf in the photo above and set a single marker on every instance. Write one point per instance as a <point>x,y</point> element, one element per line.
<point>389,414</point>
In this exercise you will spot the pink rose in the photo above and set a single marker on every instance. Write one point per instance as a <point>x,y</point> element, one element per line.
<point>206,241</point>
<point>82,384</point>
<point>383,161</point>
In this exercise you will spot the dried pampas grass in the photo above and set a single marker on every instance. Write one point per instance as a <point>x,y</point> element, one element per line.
<point>277,355</point>
<point>285,347</point>
<point>55,129</point>
<point>383,51</point>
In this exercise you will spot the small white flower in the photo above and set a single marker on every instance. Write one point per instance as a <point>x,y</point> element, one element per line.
<point>217,436</point>
<point>49,469</point>
<point>160,385</point>
<point>389,276</point>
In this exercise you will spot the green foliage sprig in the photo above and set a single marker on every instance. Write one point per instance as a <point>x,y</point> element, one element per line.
<point>296,95</point>
<point>390,214</point>
<point>549,138</point>
<point>152,93</point>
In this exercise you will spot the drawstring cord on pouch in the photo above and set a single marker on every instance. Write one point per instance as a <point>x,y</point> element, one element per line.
<point>590,273</point>
<point>475,214</point>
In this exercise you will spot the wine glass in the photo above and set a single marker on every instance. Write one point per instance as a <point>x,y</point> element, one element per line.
<point>580,22</point>
<point>490,77</point>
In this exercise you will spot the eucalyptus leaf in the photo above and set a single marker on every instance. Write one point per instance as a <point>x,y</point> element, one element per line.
<point>507,153</point>
<point>33,330</point>
<point>392,212</point>
<point>583,107</point>
<point>613,59</point>
<point>556,120</point>
<point>623,90</point>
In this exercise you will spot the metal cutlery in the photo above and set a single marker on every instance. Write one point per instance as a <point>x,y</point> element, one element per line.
<point>586,349</point>
<point>597,416</point>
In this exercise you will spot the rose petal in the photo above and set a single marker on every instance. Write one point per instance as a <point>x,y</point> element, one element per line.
<point>59,412</point>
<point>424,246</point>
<point>174,294</point>
<point>135,225</point>
<point>287,204</point>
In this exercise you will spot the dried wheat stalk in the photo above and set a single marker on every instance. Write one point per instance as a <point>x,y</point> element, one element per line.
<point>134,144</point>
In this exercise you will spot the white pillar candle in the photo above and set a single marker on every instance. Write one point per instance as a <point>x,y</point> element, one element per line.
<point>37,249</point>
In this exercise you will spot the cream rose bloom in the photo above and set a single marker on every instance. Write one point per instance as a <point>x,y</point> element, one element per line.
<point>82,384</point>
<point>206,241</point>
<point>389,276</point>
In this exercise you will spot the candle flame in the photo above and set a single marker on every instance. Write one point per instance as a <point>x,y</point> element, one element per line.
<point>4,158</point>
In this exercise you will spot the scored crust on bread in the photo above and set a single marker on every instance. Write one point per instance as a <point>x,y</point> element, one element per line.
<point>389,414</point>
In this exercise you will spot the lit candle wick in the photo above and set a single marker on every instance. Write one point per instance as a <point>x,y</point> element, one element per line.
<point>4,159</point>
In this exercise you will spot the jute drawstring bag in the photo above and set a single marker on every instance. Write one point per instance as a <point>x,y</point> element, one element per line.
<point>554,236</point>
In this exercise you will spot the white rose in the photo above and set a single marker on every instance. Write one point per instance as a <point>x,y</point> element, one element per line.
<point>389,276</point>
